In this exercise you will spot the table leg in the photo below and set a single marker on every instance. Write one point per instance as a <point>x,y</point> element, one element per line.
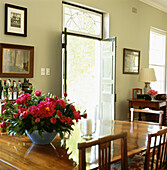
<point>164,116</point>
<point>140,114</point>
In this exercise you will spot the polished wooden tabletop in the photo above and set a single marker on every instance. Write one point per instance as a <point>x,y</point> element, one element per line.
<point>20,153</point>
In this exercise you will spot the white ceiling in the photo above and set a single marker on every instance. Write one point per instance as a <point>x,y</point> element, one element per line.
<point>160,4</point>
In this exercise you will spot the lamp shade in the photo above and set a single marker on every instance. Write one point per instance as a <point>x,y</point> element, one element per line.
<point>147,75</point>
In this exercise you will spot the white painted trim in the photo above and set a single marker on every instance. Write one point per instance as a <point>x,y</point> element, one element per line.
<point>158,30</point>
<point>155,5</point>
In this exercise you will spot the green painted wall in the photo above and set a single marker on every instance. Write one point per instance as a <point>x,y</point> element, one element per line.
<point>44,33</point>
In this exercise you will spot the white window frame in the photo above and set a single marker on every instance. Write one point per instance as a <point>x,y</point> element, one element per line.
<point>154,65</point>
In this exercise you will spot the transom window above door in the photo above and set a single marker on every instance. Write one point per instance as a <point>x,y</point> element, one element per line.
<point>82,21</point>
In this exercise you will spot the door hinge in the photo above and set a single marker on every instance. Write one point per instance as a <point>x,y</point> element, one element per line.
<point>115,97</point>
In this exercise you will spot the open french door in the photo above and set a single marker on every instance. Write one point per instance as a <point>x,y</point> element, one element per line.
<point>105,107</point>
<point>107,79</point>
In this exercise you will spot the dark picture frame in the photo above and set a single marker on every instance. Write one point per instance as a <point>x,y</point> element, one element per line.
<point>16,60</point>
<point>135,92</point>
<point>131,61</point>
<point>15,20</point>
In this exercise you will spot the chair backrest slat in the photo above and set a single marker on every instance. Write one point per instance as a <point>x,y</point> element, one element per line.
<point>105,154</point>
<point>161,155</point>
<point>154,151</point>
<point>158,151</point>
<point>104,146</point>
<point>165,150</point>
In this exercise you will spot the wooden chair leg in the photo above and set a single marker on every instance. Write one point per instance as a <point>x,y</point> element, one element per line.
<point>82,160</point>
<point>132,116</point>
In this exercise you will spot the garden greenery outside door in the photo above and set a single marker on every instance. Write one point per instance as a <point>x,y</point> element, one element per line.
<point>89,75</point>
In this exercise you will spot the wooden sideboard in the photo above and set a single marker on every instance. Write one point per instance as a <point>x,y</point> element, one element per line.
<point>156,104</point>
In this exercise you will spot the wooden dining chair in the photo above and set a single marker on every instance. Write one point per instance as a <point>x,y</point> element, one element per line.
<point>149,111</point>
<point>156,153</point>
<point>104,151</point>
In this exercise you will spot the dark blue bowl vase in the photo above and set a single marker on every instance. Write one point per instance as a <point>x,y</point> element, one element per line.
<point>37,139</point>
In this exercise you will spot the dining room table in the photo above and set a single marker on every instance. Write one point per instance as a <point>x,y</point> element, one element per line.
<point>62,154</point>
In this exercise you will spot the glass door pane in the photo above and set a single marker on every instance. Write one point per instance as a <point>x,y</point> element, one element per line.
<point>83,73</point>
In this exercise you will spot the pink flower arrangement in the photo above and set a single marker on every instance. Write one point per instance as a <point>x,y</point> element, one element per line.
<point>40,112</point>
<point>152,93</point>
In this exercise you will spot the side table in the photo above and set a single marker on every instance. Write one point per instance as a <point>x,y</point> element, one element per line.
<point>156,104</point>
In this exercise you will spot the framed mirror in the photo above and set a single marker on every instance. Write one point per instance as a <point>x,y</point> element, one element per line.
<point>16,60</point>
<point>131,61</point>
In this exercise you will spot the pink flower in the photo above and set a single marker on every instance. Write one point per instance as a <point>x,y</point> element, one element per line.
<point>73,108</point>
<point>53,120</point>
<point>65,94</point>
<point>69,121</point>
<point>38,93</point>
<point>63,119</point>
<point>56,98</point>
<point>85,115</point>
<point>49,99</point>
<point>15,115</point>
<point>61,103</point>
<point>24,115</point>
<point>37,120</point>
<point>33,110</point>
<point>21,110</point>
<point>45,109</point>
<point>152,92</point>
<point>22,100</point>
<point>59,113</point>
<point>3,125</point>
<point>77,115</point>
<point>21,92</point>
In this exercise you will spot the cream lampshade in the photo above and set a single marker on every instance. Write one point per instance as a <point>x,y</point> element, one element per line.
<point>147,75</point>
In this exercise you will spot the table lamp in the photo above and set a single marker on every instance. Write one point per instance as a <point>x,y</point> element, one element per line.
<point>147,75</point>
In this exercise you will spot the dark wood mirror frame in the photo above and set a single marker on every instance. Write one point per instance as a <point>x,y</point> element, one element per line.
<point>129,61</point>
<point>16,60</point>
